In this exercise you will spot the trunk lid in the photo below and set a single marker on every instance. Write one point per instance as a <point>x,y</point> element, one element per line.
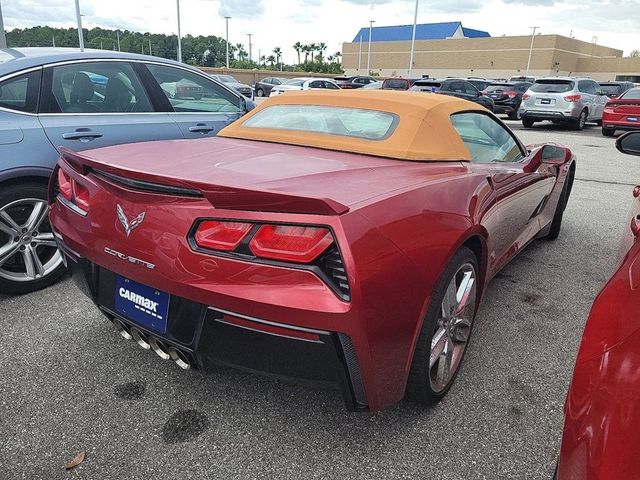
<point>250,175</point>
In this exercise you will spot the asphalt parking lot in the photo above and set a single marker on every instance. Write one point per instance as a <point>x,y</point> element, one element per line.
<point>69,382</point>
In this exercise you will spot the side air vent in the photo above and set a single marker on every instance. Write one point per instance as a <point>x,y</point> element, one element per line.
<point>333,267</point>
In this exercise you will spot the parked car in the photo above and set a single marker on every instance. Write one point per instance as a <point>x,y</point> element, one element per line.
<point>461,88</point>
<point>564,100</point>
<point>373,86</point>
<point>230,81</point>
<point>357,81</point>
<point>264,86</point>
<point>615,89</point>
<point>507,97</point>
<point>622,113</point>
<point>601,415</point>
<point>262,259</point>
<point>304,83</point>
<point>398,83</point>
<point>480,83</point>
<point>522,78</point>
<point>426,85</point>
<point>63,97</point>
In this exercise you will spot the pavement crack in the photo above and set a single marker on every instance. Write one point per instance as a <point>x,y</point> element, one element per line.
<point>605,182</point>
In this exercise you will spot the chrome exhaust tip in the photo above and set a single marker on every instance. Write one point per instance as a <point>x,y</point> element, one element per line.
<point>180,358</point>
<point>141,338</point>
<point>160,348</point>
<point>122,329</point>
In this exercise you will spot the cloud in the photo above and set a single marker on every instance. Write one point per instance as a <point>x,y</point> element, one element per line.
<point>24,13</point>
<point>533,3</point>
<point>248,9</point>
<point>460,6</point>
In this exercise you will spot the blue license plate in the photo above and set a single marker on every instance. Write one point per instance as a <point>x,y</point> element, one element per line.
<point>144,305</point>
<point>632,119</point>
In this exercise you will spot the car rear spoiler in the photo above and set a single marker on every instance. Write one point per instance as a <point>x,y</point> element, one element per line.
<point>220,196</point>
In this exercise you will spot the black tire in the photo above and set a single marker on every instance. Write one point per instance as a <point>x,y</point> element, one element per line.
<point>556,223</point>
<point>608,132</point>
<point>260,92</point>
<point>581,121</point>
<point>419,384</point>
<point>512,115</point>
<point>599,122</point>
<point>13,193</point>
<point>527,122</point>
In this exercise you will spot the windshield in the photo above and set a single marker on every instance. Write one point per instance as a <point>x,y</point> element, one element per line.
<point>611,89</point>
<point>296,82</point>
<point>227,79</point>
<point>552,86</point>
<point>501,87</point>
<point>349,122</point>
<point>633,94</point>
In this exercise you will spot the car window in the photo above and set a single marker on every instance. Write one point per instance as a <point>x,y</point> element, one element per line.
<point>294,83</point>
<point>96,87</point>
<point>486,140</point>
<point>190,92</point>
<point>316,84</point>
<point>21,93</point>
<point>552,86</point>
<point>611,89</point>
<point>470,89</point>
<point>393,83</point>
<point>350,122</point>
<point>330,85</point>
<point>587,86</point>
<point>633,94</point>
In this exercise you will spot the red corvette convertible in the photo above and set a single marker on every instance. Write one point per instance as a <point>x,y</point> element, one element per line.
<point>343,238</point>
<point>602,411</point>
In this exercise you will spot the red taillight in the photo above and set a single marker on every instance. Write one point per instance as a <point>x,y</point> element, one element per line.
<point>611,105</point>
<point>290,243</point>
<point>526,96</point>
<point>223,236</point>
<point>573,98</point>
<point>64,185</point>
<point>511,94</point>
<point>80,195</point>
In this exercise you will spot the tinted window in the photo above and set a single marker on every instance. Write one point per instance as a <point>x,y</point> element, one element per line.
<point>486,140</point>
<point>97,87</point>
<point>503,87</point>
<point>395,84</point>
<point>611,89</point>
<point>21,93</point>
<point>587,86</point>
<point>350,122</point>
<point>552,86</point>
<point>190,92</point>
<point>633,94</point>
<point>330,85</point>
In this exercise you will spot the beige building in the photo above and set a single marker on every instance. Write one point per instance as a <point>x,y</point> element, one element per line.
<point>491,57</point>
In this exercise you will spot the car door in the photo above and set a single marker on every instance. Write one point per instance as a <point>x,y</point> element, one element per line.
<point>600,100</point>
<point>92,104</point>
<point>520,184</point>
<point>202,113</point>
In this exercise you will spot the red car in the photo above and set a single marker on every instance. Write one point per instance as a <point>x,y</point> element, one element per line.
<point>343,238</point>
<point>622,113</point>
<point>602,411</point>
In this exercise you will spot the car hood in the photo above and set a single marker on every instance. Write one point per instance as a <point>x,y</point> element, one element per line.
<point>217,164</point>
<point>288,87</point>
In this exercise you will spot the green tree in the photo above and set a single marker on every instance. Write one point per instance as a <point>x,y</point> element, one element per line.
<point>635,53</point>
<point>298,48</point>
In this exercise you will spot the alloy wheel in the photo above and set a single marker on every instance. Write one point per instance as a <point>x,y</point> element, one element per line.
<point>28,250</point>
<point>453,328</point>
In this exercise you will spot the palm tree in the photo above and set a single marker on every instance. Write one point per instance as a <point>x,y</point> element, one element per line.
<point>336,56</point>
<point>312,48</point>
<point>262,59</point>
<point>278,53</point>
<point>305,49</point>
<point>271,59</point>
<point>297,47</point>
<point>241,51</point>
<point>321,48</point>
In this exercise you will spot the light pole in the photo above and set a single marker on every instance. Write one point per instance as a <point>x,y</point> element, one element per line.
<point>118,38</point>
<point>371,22</point>
<point>179,40</point>
<point>533,36</point>
<point>250,55</point>
<point>79,21</point>
<point>359,52</point>
<point>413,38</point>
<point>226,19</point>
<point>3,38</point>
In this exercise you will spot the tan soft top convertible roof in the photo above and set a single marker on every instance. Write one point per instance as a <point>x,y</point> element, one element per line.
<point>424,131</point>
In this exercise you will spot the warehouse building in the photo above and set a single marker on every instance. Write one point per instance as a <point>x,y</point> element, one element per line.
<point>452,50</point>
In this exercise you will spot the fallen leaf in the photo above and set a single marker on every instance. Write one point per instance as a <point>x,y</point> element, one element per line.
<point>75,461</point>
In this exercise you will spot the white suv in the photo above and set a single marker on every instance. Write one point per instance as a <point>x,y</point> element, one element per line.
<point>566,100</point>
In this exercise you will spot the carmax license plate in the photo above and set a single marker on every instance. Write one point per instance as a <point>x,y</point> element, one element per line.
<point>144,305</point>
<point>632,119</point>
<point>545,101</point>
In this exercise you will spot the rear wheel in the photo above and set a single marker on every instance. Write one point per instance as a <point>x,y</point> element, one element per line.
<point>29,258</point>
<point>446,330</point>
<point>581,121</point>
<point>608,132</point>
<point>260,92</point>
<point>514,115</point>
<point>527,123</point>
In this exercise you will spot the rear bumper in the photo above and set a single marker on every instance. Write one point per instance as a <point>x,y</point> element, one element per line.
<point>609,125</point>
<point>559,115</point>
<point>207,336</point>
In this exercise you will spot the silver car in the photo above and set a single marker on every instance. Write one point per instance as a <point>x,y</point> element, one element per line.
<point>564,100</point>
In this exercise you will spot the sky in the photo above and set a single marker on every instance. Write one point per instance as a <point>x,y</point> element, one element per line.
<point>281,23</point>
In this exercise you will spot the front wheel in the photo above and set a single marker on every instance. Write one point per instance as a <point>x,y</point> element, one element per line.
<point>29,257</point>
<point>260,92</point>
<point>608,132</point>
<point>445,331</point>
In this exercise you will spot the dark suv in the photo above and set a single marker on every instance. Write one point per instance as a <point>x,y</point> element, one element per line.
<point>464,89</point>
<point>615,89</point>
<point>507,97</point>
<point>399,83</point>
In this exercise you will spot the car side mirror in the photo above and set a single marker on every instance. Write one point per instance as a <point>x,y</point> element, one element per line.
<point>629,143</point>
<point>554,154</point>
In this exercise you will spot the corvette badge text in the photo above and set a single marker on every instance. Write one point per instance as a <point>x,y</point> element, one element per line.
<point>128,258</point>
